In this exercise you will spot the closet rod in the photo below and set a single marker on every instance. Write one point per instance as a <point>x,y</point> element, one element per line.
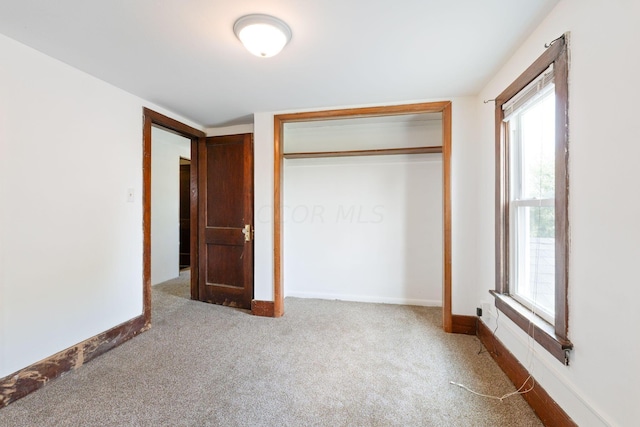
<point>380,152</point>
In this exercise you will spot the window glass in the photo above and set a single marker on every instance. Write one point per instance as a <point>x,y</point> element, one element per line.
<point>532,210</point>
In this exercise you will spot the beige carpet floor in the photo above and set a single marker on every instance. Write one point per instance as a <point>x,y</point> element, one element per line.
<point>325,363</point>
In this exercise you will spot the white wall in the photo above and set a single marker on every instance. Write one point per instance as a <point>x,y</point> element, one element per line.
<point>599,386</point>
<point>71,244</point>
<point>166,150</point>
<point>464,153</point>
<point>364,229</point>
<point>263,206</point>
<point>364,133</point>
<point>229,130</point>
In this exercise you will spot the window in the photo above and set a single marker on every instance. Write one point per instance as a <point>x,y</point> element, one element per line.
<point>531,200</point>
<point>530,138</point>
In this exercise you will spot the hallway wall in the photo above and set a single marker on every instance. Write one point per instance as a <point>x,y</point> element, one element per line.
<point>166,150</point>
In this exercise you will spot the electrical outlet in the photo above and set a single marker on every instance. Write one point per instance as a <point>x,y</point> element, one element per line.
<point>130,195</point>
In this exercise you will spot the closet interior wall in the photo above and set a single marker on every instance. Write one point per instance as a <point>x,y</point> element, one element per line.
<point>364,227</point>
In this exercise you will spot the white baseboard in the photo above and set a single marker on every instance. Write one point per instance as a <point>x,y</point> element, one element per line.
<point>366,298</point>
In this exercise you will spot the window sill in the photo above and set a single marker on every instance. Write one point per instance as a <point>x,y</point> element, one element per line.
<point>542,332</point>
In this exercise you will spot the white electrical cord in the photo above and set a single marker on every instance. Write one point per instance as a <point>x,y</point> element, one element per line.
<point>503,397</point>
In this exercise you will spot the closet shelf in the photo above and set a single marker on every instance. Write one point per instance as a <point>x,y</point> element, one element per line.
<point>380,152</point>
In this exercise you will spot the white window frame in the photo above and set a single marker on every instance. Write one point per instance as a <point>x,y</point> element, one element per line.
<point>520,269</point>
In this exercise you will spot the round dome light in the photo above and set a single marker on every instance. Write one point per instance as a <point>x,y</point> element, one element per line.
<point>262,35</point>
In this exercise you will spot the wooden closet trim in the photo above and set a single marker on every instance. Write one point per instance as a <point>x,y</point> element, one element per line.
<point>443,107</point>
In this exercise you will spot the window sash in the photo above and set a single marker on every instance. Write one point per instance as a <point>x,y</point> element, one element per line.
<point>536,309</point>
<point>527,289</point>
<point>527,283</point>
<point>519,154</point>
<point>533,203</point>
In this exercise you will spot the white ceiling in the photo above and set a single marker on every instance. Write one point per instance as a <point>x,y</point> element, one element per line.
<point>183,55</point>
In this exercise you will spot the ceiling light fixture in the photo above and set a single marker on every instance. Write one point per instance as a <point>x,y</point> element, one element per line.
<point>262,35</point>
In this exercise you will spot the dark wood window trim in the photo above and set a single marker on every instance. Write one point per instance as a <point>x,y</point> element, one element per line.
<point>554,338</point>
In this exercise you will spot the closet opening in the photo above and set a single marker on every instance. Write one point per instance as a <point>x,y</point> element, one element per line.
<point>362,206</point>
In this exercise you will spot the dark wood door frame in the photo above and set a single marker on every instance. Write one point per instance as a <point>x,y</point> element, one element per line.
<point>443,107</point>
<point>152,118</point>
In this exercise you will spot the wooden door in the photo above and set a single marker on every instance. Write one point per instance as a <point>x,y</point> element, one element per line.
<point>225,216</point>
